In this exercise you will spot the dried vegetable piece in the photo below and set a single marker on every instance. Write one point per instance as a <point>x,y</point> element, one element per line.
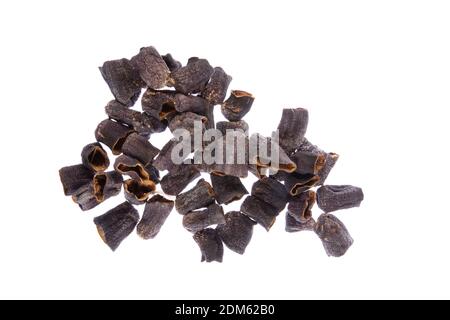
<point>200,196</point>
<point>308,162</point>
<point>263,213</point>
<point>223,126</point>
<point>136,170</point>
<point>159,104</point>
<point>113,134</point>
<point>292,225</point>
<point>227,188</point>
<point>187,121</point>
<point>94,157</point>
<point>156,211</point>
<point>137,192</point>
<point>292,128</point>
<point>297,183</point>
<point>116,224</point>
<point>171,63</point>
<point>164,159</point>
<point>210,245</point>
<point>332,198</point>
<point>236,232</point>
<point>151,67</point>
<point>139,148</point>
<point>123,80</point>
<point>237,105</point>
<point>74,177</point>
<point>271,191</point>
<point>300,206</point>
<point>177,179</point>
<point>193,77</point>
<point>216,89</point>
<point>198,220</point>
<point>195,104</point>
<point>334,235</point>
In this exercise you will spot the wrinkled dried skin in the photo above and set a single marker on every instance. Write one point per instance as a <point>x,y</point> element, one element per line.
<point>216,89</point>
<point>136,170</point>
<point>194,104</point>
<point>193,77</point>
<point>94,157</point>
<point>237,105</point>
<point>142,123</point>
<point>113,134</point>
<point>107,185</point>
<point>123,80</point>
<point>330,158</point>
<point>271,191</point>
<point>171,63</point>
<point>308,162</point>
<point>164,159</point>
<point>297,183</point>
<point>227,188</point>
<point>332,198</point>
<point>292,128</point>
<point>177,179</point>
<point>159,104</point>
<point>236,232</point>
<point>198,220</point>
<point>263,213</point>
<point>139,148</point>
<point>151,67</point>
<point>156,211</point>
<point>210,245</point>
<point>241,125</point>
<point>74,177</point>
<point>299,207</point>
<point>116,224</point>
<point>264,147</point>
<point>292,225</point>
<point>334,235</point>
<point>200,196</point>
<point>186,121</point>
<point>137,192</point>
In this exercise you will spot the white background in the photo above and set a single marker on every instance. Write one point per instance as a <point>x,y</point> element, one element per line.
<point>375,76</point>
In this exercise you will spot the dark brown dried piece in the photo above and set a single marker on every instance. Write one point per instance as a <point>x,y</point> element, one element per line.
<point>334,235</point>
<point>216,89</point>
<point>139,148</point>
<point>292,128</point>
<point>236,232</point>
<point>74,177</point>
<point>113,134</point>
<point>227,188</point>
<point>263,213</point>
<point>171,63</point>
<point>178,178</point>
<point>330,158</point>
<point>136,170</point>
<point>164,159</point>
<point>271,191</point>
<point>159,104</point>
<point>193,77</point>
<point>237,105</point>
<point>142,123</point>
<point>223,126</point>
<point>116,224</point>
<point>184,103</point>
<point>138,192</point>
<point>151,67</point>
<point>264,155</point>
<point>292,225</point>
<point>297,183</point>
<point>332,198</point>
<point>187,121</point>
<point>198,220</point>
<point>123,80</point>
<point>300,206</point>
<point>95,157</point>
<point>210,244</point>
<point>200,196</point>
<point>103,186</point>
<point>210,123</point>
<point>156,211</point>
<point>308,162</point>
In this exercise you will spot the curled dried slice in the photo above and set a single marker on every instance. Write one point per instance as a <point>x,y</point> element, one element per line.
<point>156,211</point>
<point>159,104</point>
<point>116,224</point>
<point>237,105</point>
<point>297,183</point>
<point>198,220</point>
<point>300,206</point>
<point>95,157</point>
<point>113,134</point>
<point>308,162</point>
<point>137,192</point>
<point>139,148</point>
<point>136,170</point>
<point>292,225</point>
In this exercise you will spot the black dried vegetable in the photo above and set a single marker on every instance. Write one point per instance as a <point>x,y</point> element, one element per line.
<point>290,170</point>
